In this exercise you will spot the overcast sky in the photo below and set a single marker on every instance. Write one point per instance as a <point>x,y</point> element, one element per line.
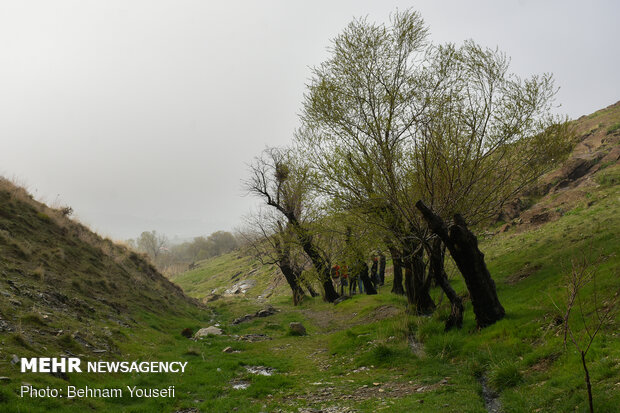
<point>143,114</point>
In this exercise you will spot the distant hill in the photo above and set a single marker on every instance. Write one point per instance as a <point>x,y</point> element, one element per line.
<point>64,287</point>
<point>596,151</point>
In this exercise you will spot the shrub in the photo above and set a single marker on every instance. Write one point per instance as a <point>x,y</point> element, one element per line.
<point>187,332</point>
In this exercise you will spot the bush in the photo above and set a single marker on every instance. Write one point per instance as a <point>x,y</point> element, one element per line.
<point>187,332</point>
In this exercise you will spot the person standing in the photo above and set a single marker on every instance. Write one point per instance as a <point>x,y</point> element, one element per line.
<point>335,273</point>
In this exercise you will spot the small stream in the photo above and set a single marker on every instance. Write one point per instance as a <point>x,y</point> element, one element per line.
<point>491,399</point>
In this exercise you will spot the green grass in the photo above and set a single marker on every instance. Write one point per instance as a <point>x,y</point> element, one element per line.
<point>354,349</point>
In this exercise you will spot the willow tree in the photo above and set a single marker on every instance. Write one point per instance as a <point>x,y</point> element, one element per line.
<point>359,110</point>
<point>283,183</point>
<point>272,242</point>
<point>390,119</point>
<point>489,135</point>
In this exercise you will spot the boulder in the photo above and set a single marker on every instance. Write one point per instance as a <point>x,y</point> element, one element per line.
<point>253,338</point>
<point>341,299</point>
<point>243,318</point>
<point>208,331</point>
<point>210,298</point>
<point>297,329</point>
<point>240,288</point>
<point>265,312</point>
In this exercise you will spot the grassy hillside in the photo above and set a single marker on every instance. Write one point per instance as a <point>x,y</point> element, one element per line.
<point>367,354</point>
<point>215,275</point>
<point>65,290</point>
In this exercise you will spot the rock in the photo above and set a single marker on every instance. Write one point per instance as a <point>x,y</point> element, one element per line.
<point>341,299</point>
<point>267,311</point>
<point>540,218</point>
<point>210,298</point>
<point>241,287</point>
<point>227,350</point>
<point>260,370</point>
<point>14,359</point>
<point>243,318</point>
<point>254,337</point>
<point>213,331</point>
<point>297,328</point>
<point>241,385</point>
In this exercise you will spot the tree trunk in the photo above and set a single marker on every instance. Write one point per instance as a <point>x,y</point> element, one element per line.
<point>374,274</point>
<point>417,286</point>
<point>364,278</point>
<point>381,269</point>
<point>589,386</point>
<point>320,264</point>
<point>463,247</point>
<point>291,274</point>
<point>291,279</point>
<point>311,290</point>
<point>397,287</point>
<point>437,255</point>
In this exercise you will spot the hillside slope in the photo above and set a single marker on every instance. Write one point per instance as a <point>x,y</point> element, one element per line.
<point>367,354</point>
<point>597,148</point>
<point>63,287</point>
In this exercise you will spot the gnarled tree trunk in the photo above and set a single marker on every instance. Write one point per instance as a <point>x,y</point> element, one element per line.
<point>463,247</point>
<point>397,287</point>
<point>436,261</point>
<point>291,279</point>
<point>362,269</point>
<point>310,290</point>
<point>290,272</point>
<point>320,264</point>
<point>417,285</point>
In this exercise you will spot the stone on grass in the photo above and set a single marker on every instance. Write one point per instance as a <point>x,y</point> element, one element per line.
<point>209,331</point>
<point>297,329</point>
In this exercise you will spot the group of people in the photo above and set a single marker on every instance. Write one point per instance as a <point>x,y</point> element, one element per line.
<point>342,278</point>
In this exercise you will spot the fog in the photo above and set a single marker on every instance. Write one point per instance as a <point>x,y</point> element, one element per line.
<point>143,115</point>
